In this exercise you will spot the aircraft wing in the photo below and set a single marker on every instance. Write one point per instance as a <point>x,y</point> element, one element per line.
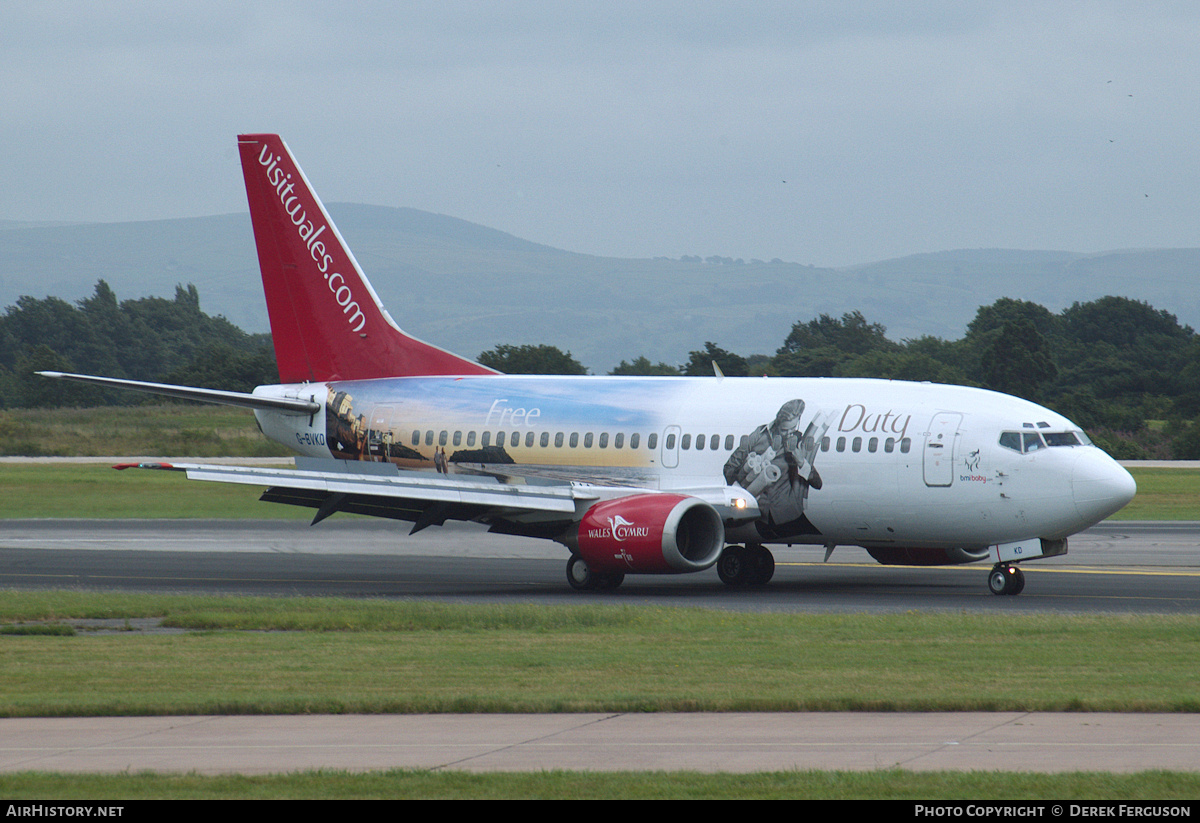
<point>380,490</point>
<point>383,490</point>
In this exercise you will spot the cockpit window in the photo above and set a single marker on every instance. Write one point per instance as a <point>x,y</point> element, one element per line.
<point>1027,441</point>
<point>1023,442</point>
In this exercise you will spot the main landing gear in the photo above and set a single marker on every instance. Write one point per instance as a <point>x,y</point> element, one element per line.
<point>749,565</point>
<point>582,578</point>
<point>1006,579</point>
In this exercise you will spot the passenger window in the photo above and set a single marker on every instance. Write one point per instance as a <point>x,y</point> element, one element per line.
<point>670,443</point>
<point>529,440</point>
<point>889,445</point>
<point>471,438</point>
<point>458,438</point>
<point>619,440</point>
<point>714,442</point>
<point>545,440</point>
<point>487,439</point>
<point>857,445</point>
<point>634,439</point>
<point>841,444</point>
<point>603,440</point>
<point>729,442</point>
<point>429,438</point>
<point>516,439</point>
<point>873,445</point>
<point>558,440</point>
<point>442,438</point>
<point>685,442</point>
<point>699,442</point>
<point>416,438</point>
<point>587,440</point>
<point>574,440</point>
<point>824,444</point>
<point>905,444</point>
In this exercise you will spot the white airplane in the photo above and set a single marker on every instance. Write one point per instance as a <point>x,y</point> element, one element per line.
<point>634,475</point>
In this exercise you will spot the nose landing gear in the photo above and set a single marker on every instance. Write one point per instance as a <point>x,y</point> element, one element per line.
<point>1005,578</point>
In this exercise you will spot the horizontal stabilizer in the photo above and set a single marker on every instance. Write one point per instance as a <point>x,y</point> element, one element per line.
<point>222,398</point>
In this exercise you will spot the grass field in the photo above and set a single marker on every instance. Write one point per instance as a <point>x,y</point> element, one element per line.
<point>294,655</point>
<point>150,429</point>
<point>302,655</point>
<point>95,490</point>
<point>885,784</point>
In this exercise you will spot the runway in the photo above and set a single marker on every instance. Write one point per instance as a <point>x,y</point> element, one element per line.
<point>1130,567</point>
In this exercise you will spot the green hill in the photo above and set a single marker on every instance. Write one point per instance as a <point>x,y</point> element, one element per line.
<point>467,287</point>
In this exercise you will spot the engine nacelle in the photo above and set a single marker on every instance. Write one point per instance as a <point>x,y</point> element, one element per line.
<point>924,555</point>
<point>650,534</point>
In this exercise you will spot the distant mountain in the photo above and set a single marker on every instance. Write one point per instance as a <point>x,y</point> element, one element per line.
<point>467,287</point>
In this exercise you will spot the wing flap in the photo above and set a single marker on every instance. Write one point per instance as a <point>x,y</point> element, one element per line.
<point>419,488</point>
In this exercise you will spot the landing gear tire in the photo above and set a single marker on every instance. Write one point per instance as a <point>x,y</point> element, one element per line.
<point>764,565</point>
<point>580,574</point>
<point>742,566</point>
<point>1018,582</point>
<point>732,567</point>
<point>608,582</point>
<point>1006,580</point>
<point>582,578</point>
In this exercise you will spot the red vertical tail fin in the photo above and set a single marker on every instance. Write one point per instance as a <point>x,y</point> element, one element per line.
<point>326,321</point>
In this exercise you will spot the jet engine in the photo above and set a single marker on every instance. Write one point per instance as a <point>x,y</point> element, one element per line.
<point>650,534</point>
<point>924,555</point>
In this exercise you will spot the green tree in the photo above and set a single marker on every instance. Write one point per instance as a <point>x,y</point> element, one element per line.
<point>852,334</point>
<point>700,362</point>
<point>1018,361</point>
<point>643,366</point>
<point>540,359</point>
<point>35,391</point>
<point>220,366</point>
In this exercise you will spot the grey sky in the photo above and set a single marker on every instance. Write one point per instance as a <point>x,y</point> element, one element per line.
<point>819,132</point>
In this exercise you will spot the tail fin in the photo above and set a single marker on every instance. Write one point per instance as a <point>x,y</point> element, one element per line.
<point>326,320</point>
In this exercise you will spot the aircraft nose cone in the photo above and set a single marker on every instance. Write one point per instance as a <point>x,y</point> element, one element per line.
<point>1100,485</point>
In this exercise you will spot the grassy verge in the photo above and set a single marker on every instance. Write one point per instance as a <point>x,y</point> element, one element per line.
<point>95,490</point>
<point>1164,494</point>
<point>891,784</point>
<point>287,656</point>
<point>159,429</point>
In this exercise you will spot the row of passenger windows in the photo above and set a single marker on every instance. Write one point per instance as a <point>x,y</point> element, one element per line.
<point>700,442</point>
<point>872,444</point>
<point>514,439</point>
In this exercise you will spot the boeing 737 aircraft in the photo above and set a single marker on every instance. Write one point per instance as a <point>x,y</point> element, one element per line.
<point>634,475</point>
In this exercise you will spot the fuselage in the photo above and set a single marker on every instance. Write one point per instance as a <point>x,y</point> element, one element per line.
<point>829,461</point>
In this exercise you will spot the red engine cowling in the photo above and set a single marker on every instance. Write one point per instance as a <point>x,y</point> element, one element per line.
<point>651,534</point>
<point>924,555</point>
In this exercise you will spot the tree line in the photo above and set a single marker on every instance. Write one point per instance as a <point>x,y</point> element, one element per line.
<point>148,338</point>
<point>1125,371</point>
